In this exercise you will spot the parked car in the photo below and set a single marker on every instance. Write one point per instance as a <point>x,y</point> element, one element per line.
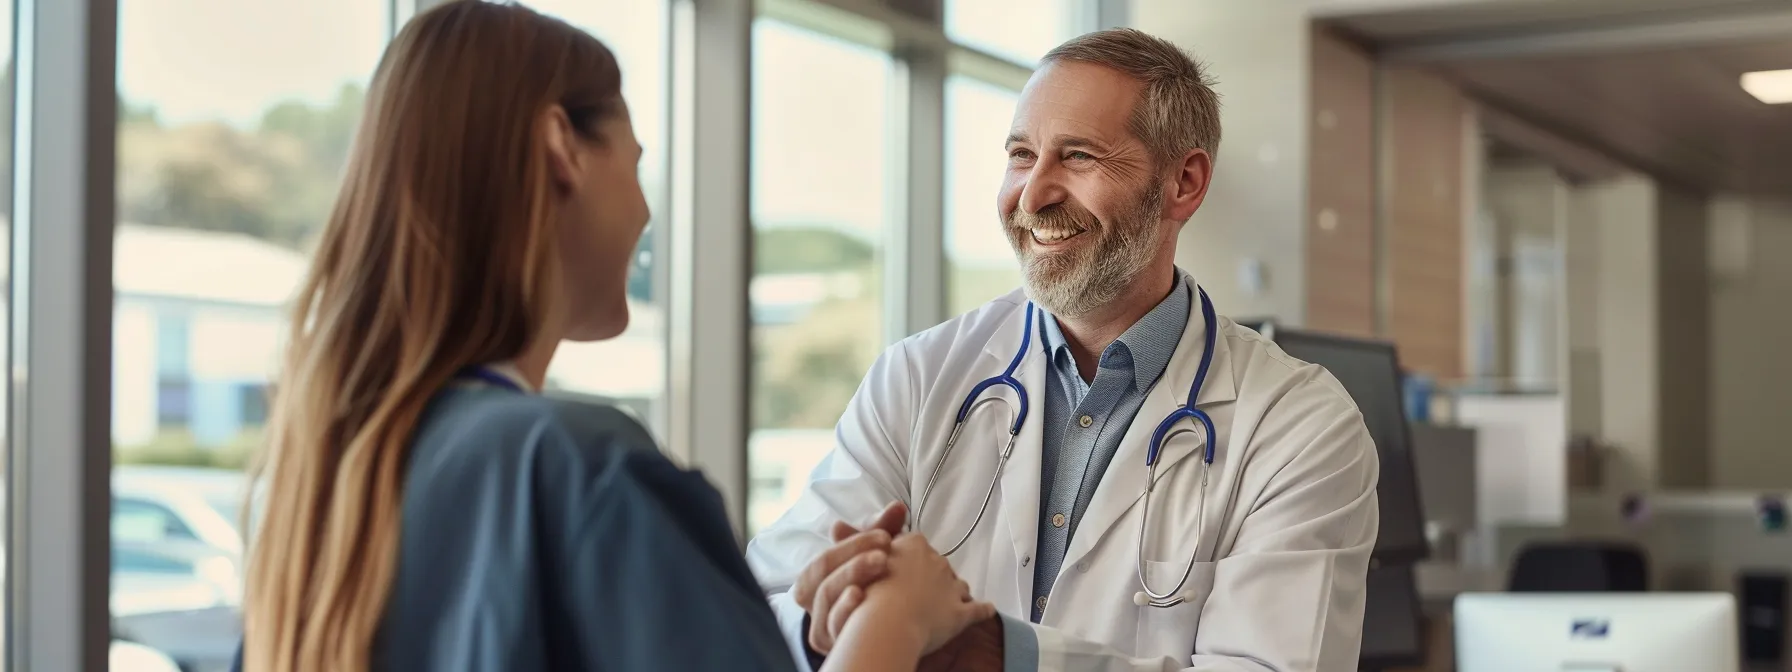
<point>200,575</point>
<point>154,503</point>
<point>127,656</point>
<point>181,598</point>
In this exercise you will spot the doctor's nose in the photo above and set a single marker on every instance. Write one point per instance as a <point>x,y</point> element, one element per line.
<point>1041,191</point>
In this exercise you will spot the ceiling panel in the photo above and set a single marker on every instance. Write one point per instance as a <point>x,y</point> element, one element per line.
<point>1441,21</point>
<point>1679,113</point>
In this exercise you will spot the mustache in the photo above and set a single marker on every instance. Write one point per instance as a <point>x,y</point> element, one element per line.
<point>1055,218</point>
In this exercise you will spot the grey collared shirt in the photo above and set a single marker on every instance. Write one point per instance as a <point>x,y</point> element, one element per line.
<point>1085,421</point>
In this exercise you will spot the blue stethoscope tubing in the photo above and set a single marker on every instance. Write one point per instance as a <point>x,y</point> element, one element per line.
<point>1166,430</point>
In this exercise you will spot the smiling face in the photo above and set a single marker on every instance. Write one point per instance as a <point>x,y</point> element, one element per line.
<point>1082,201</point>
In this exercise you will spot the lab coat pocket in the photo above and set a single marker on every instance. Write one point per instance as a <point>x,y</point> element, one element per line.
<point>1170,631</point>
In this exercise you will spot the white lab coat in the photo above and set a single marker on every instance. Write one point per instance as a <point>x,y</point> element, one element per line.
<point>1283,551</point>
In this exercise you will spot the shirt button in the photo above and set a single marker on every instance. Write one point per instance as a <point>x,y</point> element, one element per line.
<point>1085,421</point>
<point>1082,567</point>
<point>1040,603</point>
<point>1057,520</point>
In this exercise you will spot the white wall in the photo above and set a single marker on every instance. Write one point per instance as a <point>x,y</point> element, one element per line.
<point>1528,208</point>
<point>1751,368</point>
<point>1639,330</point>
<point>1581,257</point>
<point>1622,215</point>
<point>1256,207</point>
<point>1683,327</point>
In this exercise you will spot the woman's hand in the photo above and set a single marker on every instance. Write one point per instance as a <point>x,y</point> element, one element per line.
<point>919,599</point>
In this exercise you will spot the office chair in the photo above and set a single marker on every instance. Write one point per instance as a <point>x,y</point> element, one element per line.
<point>1579,567</point>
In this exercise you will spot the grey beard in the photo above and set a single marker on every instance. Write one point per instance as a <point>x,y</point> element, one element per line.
<point>1075,286</point>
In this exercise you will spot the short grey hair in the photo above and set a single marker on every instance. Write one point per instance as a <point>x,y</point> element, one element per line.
<point>1178,110</point>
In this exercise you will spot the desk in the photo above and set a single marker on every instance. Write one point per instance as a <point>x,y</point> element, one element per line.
<point>1439,584</point>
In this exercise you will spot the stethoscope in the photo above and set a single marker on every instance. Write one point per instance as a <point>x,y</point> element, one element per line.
<point>1163,433</point>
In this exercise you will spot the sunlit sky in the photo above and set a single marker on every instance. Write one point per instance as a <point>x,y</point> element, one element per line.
<point>822,107</point>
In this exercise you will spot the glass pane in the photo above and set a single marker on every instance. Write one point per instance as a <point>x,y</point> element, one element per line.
<point>629,370</point>
<point>820,167</point>
<point>7,79</point>
<point>234,122</point>
<point>1018,30</point>
<point>980,262</point>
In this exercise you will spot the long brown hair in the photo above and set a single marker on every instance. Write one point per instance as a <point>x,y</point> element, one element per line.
<point>437,256</point>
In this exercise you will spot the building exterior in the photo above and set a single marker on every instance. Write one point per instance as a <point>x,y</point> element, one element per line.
<point>200,320</point>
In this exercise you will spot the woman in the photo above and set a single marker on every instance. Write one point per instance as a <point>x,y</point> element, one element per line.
<point>425,509</point>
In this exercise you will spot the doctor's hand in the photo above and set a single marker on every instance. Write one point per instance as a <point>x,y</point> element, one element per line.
<point>856,560</point>
<point>920,603</point>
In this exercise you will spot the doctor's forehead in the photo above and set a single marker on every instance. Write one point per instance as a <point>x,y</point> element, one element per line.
<point>1079,99</point>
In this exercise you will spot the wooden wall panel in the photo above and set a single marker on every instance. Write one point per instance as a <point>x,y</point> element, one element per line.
<point>1340,240</point>
<point>1422,243</point>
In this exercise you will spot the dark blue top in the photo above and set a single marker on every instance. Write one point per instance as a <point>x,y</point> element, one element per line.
<point>552,535</point>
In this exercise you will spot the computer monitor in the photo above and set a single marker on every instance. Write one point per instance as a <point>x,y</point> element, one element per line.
<point>1596,632</point>
<point>1370,372</point>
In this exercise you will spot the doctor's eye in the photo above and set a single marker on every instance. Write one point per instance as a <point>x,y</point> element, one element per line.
<point>1078,156</point>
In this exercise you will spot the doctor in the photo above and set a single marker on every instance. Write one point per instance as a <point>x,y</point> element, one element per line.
<point>1253,555</point>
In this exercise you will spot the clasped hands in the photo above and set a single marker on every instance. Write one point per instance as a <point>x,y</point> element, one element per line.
<point>880,577</point>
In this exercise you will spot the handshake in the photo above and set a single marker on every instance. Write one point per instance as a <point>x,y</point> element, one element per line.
<point>879,593</point>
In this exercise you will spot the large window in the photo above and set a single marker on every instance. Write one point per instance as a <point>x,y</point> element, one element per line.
<point>1018,30</point>
<point>8,78</point>
<point>821,171</point>
<point>981,263</point>
<point>234,122</point>
<point>629,370</point>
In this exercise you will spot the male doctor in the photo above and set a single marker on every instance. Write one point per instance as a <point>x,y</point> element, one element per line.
<point>1110,153</point>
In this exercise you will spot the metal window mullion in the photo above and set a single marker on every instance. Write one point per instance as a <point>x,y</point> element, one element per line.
<point>399,12</point>
<point>711,244</point>
<point>1112,14</point>
<point>58,571</point>
<point>919,233</point>
<point>662,232</point>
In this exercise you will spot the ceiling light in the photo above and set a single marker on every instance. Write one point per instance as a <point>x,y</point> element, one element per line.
<point>1770,86</point>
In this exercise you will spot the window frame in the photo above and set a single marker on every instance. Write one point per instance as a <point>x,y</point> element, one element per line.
<point>924,55</point>
<point>59,407</point>
<point>916,268</point>
<point>60,285</point>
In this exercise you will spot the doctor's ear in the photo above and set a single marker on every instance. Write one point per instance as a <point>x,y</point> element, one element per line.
<point>1186,187</point>
<point>561,142</point>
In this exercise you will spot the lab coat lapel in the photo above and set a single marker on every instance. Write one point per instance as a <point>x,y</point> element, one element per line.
<point>1019,503</point>
<point>1124,481</point>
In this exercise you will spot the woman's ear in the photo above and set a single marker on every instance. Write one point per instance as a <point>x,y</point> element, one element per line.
<point>561,142</point>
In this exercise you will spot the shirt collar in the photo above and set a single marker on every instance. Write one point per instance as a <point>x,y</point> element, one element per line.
<point>1151,341</point>
<point>509,371</point>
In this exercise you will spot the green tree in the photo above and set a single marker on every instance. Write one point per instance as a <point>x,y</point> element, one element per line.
<point>808,249</point>
<point>808,370</point>
<point>276,182</point>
